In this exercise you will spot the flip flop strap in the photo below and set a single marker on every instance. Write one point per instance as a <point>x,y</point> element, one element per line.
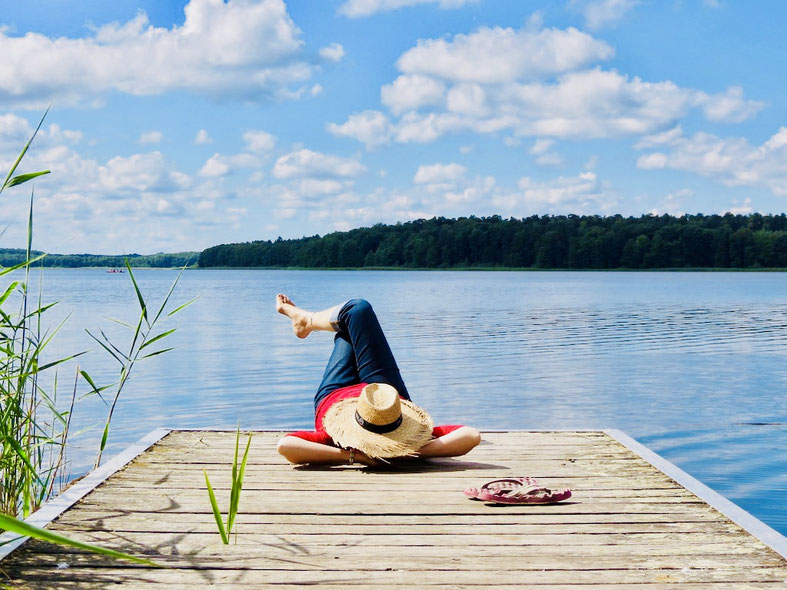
<point>532,490</point>
<point>497,484</point>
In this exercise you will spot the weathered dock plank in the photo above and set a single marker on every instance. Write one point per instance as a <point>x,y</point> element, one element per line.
<point>628,525</point>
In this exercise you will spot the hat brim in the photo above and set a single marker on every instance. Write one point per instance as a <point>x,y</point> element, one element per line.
<point>413,433</point>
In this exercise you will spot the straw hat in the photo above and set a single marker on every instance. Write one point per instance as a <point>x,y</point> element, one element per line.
<point>379,423</point>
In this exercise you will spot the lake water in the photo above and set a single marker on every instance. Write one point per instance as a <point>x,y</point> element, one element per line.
<point>691,364</point>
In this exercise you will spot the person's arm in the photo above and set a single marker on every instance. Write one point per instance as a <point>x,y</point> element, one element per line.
<point>300,451</point>
<point>457,442</point>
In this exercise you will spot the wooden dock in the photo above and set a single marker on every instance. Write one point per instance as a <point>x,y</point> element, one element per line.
<point>628,525</point>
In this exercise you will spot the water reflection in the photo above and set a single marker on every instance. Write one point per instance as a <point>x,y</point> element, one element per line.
<point>686,362</point>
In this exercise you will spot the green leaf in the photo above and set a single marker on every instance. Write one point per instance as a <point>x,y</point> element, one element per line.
<point>23,456</point>
<point>233,488</point>
<point>139,293</point>
<point>24,151</point>
<point>177,309</point>
<point>17,180</point>
<point>20,527</point>
<point>238,483</point>
<point>216,512</point>
<point>105,347</point>
<point>104,438</point>
<point>169,294</point>
<point>97,390</point>
<point>159,337</point>
<point>21,264</point>
<point>162,351</point>
<point>8,291</point>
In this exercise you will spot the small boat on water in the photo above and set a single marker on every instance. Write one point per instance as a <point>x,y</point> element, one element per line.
<point>115,270</point>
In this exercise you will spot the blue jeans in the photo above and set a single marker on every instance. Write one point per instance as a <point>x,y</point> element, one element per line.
<point>360,352</point>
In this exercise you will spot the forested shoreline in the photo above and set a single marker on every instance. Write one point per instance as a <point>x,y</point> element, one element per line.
<point>549,242</point>
<point>569,242</point>
<point>14,256</point>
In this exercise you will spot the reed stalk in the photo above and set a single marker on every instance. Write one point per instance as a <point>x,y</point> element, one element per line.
<point>236,486</point>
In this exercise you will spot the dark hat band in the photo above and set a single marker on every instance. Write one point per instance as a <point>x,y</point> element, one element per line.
<point>378,428</point>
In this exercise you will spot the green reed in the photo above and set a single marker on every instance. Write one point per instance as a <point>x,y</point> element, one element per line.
<point>143,334</point>
<point>9,523</point>
<point>32,447</point>
<point>236,486</point>
<point>34,425</point>
<point>33,430</point>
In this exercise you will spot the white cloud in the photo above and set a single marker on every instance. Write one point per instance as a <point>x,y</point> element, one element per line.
<point>439,173</point>
<point>136,203</point>
<point>732,161</point>
<point>412,92</point>
<point>674,203</point>
<point>214,166</point>
<point>550,159</point>
<point>332,52</point>
<point>527,83</point>
<point>259,141</point>
<point>151,137</point>
<point>151,172</point>
<point>500,55</point>
<point>311,187</point>
<point>738,208</point>
<point>221,165</point>
<point>202,138</point>
<point>306,163</point>
<point>237,49</point>
<point>729,106</point>
<point>584,192</point>
<point>601,13</point>
<point>360,8</point>
<point>545,157</point>
<point>370,127</point>
<point>541,146</point>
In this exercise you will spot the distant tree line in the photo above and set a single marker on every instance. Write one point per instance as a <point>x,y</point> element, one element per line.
<point>563,241</point>
<point>13,256</point>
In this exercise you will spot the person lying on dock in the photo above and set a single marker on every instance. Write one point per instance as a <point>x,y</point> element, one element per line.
<point>363,411</point>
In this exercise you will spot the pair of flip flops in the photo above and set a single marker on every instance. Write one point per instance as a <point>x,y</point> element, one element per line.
<point>516,490</point>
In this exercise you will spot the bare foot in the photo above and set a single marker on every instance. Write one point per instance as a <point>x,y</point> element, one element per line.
<point>301,320</point>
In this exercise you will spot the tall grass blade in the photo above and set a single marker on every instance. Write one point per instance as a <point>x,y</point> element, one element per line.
<point>139,293</point>
<point>159,337</point>
<point>20,527</point>
<point>103,444</point>
<point>169,294</point>
<point>21,178</point>
<point>24,151</point>
<point>96,389</point>
<point>17,448</point>
<point>237,484</point>
<point>27,262</point>
<point>233,488</point>
<point>8,292</point>
<point>162,351</point>
<point>104,346</point>
<point>185,305</point>
<point>216,512</point>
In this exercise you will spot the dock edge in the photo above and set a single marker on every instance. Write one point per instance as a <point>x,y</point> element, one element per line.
<point>753,525</point>
<point>53,508</point>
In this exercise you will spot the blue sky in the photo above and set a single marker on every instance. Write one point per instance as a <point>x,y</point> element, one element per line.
<point>180,125</point>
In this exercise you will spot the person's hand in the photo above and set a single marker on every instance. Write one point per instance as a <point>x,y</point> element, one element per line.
<point>365,459</point>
